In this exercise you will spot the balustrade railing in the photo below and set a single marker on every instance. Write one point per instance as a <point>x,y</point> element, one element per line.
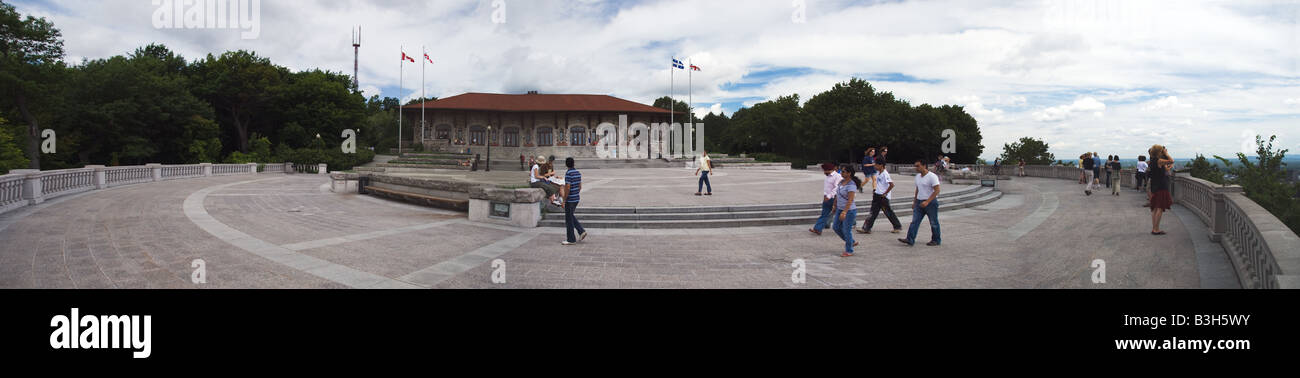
<point>24,187</point>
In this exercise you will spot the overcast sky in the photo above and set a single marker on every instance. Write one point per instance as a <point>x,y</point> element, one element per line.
<point>1110,76</point>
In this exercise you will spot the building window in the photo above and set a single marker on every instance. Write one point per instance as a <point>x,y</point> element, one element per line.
<point>578,136</point>
<point>511,138</point>
<point>544,136</point>
<point>477,136</point>
<point>442,132</point>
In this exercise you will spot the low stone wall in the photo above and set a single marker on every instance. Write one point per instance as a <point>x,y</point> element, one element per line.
<point>453,190</point>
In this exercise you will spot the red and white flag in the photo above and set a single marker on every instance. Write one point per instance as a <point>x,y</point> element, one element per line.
<point>695,67</point>
<point>408,58</point>
<point>426,57</point>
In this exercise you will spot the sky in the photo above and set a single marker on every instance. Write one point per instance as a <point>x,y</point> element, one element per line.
<point>1109,76</point>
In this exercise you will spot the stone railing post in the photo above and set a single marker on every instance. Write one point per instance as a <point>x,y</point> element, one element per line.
<point>31,185</point>
<point>1219,217</point>
<point>252,168</point>
<point>156,168</point>
<point>322,169</point>
<point>288,167</point>
<point>101,178</point>
<point>207,169</point>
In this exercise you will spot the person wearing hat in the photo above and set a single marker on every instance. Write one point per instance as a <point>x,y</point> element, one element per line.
<point>537,178</point>
<point>829,186</point>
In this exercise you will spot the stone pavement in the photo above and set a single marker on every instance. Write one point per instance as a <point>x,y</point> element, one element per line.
<point>288,231</point>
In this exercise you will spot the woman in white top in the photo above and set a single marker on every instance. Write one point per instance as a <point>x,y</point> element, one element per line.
<point>539,178</point>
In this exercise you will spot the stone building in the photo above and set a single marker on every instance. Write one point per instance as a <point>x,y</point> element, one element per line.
<point>530,124</point>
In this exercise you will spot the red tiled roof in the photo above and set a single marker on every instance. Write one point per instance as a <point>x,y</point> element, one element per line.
<point>538,103</point>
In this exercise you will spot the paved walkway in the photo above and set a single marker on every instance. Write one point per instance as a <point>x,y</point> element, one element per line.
<point>286,231</point>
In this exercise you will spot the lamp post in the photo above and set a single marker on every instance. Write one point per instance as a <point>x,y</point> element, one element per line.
<point>489,149</point>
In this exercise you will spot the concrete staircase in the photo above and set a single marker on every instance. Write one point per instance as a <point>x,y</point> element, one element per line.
<point>429,160</point>
<point>751,215</point>
<point>624,163</point>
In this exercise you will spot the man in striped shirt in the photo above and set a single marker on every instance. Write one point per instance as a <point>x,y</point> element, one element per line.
<point>570,192</point>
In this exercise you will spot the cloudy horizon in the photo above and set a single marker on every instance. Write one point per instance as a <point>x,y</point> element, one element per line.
<point>1087,75</point>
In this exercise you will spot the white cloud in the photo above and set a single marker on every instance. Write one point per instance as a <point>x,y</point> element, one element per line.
<point>716,108</point>
<point>1013,65</point>
<point>1170,102</point>
<point>1063,112</point>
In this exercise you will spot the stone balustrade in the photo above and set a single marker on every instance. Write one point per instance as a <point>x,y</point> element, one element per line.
<point>25,187</point>
<point>1264,252</point>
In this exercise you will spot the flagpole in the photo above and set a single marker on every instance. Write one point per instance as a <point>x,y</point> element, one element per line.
<point>690,102</point>
<point>400,72</point>
<point>422,85</point>
<point>672,105</point>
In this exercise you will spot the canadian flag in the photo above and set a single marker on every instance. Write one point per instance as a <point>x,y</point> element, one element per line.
<point>426,57</point>
<point>406,57</point>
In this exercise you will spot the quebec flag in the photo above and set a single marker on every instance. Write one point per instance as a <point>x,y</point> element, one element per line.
<point>678,64</point>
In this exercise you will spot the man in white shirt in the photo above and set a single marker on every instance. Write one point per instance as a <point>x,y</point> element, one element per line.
<point>833,179</point>
<point>706,166</point>
<point>1141,172</point>
<point>880,200</point>
<point>927,187</point>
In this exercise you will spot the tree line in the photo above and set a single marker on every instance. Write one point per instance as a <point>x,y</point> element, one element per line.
<point>838,125</point>
<point>152,105</point>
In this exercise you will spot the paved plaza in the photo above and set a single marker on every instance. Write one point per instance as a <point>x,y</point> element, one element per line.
<point>290,231</point>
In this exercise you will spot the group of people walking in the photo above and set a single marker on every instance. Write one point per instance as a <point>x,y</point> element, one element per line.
<point>840,193</point>
<point>1091,166</point>
<point>1154,177</point>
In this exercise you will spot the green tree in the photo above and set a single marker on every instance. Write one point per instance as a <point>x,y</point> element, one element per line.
<point>766,127</point>
<point>715,130</point>
<point>1265,181</point>
<point>316,102</point>
<point>1032,151</point>
<point>138,109</point>
<point>1202,168</point>
<point>31,54</point>
<point>239,85</point>
<point>11,155</point>
<point>833,122</point>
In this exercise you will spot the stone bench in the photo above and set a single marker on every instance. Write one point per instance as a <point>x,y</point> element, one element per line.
<point>420,199</point>
<point>513,207</point>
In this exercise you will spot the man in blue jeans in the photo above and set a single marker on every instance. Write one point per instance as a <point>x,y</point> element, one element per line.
<point>572,187</point>
<point>927,186</point>
<point>832,181</point>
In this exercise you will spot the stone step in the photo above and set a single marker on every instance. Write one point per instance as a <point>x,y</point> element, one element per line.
<point>986,198</point>
<point>761,211</point>
<point>736,208</point>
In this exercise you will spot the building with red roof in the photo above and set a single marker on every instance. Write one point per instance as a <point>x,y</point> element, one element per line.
<point>529,124</point>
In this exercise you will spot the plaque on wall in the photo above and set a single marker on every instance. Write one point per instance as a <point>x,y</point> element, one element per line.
<point>499,209</point>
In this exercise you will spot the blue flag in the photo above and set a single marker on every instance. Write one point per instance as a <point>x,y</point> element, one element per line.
<point>678,64</point>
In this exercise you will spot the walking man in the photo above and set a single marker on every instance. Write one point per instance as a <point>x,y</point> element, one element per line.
<point>572,187</point>
<point>880,200</point>
<point>706,166</point>
<point>1088,172</point>
<point>927,186</point>
<point>833,179</point>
